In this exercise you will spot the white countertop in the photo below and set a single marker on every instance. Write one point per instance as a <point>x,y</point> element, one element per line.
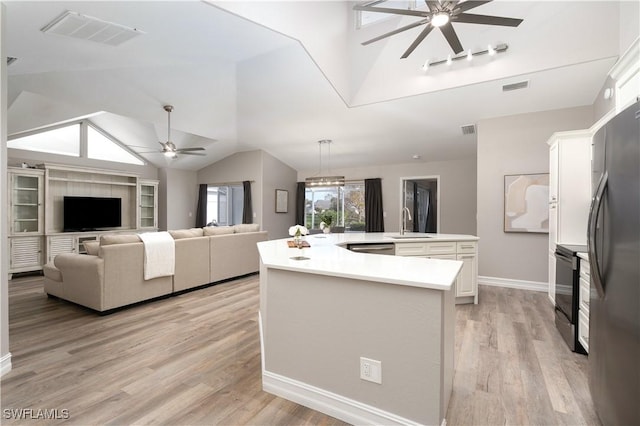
<point>328,256</point>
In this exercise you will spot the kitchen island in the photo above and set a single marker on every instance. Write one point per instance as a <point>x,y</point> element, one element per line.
<point>366,338</point>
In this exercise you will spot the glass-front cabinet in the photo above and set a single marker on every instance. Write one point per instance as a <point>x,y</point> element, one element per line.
<point>148,204</point>
<point>26,201</point>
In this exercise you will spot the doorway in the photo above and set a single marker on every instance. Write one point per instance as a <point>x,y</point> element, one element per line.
<point>421,196</point>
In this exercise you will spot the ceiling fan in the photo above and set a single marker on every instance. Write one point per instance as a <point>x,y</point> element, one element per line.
<point>441,15</point>
<point>169,149</point>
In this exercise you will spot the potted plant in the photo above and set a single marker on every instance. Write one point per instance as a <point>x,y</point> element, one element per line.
<point>327,218</point>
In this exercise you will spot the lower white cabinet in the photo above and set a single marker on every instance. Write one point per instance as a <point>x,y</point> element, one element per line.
<point>464,251</point>
<point>584,289</point>
<point>25,254</point>
<point>67,243</point>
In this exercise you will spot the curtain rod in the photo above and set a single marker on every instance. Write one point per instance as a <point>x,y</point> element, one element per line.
<point>228,183</point>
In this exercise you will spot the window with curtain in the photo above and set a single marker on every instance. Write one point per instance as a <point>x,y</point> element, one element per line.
<point>347,203</point>
<point>224,204</point>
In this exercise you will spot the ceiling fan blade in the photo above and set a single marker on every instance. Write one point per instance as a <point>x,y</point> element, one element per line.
<point>366,8</point>
<point>417,41</point>
<point>468,5</point>
<point>190,153</point>
<point>190,149</point>
<point>451,36</point>
<point>396,31</point>
<point>470,18</point>
<point>433,5</point>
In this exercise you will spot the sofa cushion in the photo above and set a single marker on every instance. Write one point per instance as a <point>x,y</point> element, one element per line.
<point>246,227</point>
<point>92,247</point>
<point>217,230</point>
<point>106,240</point>
<point>186,233</point>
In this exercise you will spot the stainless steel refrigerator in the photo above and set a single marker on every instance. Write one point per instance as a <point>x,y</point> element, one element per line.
<point>614,257</point>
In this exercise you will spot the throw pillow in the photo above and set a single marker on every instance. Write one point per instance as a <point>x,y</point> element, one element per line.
<point>106,240</point>
<point>91,247</point>
<point>217,230</point>
<point>246,227</point>
<point>186,233</point>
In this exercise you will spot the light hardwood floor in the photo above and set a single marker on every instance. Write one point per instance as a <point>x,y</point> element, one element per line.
<point>195,359</point>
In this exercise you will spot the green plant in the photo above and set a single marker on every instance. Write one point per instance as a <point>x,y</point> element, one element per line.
<point>328,217</point>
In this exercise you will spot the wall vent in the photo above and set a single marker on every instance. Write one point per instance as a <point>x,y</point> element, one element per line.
<point>515,86</point>
<point>73,24</point>
<point>11,60</point>
<point>468,129</point>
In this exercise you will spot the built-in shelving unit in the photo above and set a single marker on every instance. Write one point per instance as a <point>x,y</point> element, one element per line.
<point>36,213</point>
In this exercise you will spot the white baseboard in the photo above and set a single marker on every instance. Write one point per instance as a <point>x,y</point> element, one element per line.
<point>5,364</point>
<point>519,284</point>
<point>332,404</point>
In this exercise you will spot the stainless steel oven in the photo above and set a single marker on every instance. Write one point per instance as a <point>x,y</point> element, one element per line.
<point>567,287</point>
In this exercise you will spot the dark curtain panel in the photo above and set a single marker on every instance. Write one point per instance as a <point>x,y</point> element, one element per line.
<point>431,223</point>
<point>300,194</point>
<point>201,211</point>
<point>373,214</point>
<point>247,207</point>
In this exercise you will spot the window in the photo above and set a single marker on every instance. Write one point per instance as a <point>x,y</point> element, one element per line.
<point>346,202</point>
<point>224,205</point>
<point>102,147</point>
<point>60,140</point>
<point>366,18</point>
<point>69,140</point>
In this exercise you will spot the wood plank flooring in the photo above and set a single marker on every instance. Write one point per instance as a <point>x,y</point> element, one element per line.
<point>194,359</point>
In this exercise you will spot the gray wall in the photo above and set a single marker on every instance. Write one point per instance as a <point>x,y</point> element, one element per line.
<point>515,145</point>
<point>4,254</point>
<point>277,175</point>
<point>457,190</point>
<point>177,199</point>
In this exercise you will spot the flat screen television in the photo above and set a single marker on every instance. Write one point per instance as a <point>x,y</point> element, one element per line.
<point>91,213</point>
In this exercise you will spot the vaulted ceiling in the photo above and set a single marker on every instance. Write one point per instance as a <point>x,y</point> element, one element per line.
<point>279,76</point>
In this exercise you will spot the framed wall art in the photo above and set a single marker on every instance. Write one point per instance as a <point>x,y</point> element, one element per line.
<point>526,203</point>
<point>282,200</point>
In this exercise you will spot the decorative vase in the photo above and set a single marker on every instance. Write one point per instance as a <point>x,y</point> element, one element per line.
<point>326,229</point>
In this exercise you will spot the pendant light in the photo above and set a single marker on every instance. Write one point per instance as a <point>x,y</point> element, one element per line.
<point>319,181</point>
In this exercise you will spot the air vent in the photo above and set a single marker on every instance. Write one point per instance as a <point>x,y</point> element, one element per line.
<point>515,86</point>
<point>11,60</point>
<point>468,129</point>
<point>84,27</point>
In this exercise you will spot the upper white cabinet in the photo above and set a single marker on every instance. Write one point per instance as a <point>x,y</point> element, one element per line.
<point>626,73</point>
<point>569,192</point>
<point>25,201</point>
<point>148,204</point>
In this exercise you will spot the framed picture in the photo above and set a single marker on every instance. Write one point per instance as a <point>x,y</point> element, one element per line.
<point>282,200</point>
<point>526,203</point>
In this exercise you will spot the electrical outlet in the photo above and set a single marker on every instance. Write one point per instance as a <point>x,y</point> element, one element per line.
<point>371,370</point>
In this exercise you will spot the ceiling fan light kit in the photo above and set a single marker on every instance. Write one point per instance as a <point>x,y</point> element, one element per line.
<point>169,149</point>
<point>441,15</point>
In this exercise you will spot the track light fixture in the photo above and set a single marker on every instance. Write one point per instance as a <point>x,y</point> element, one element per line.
<point>491,51</point>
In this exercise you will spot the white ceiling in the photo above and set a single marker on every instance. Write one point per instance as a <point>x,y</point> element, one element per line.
<point>279,76</point>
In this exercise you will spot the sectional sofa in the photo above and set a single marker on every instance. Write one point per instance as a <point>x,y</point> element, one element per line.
<point>111,274</point>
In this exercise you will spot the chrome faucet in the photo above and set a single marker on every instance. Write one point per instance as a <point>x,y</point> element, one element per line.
<point>405,213</point>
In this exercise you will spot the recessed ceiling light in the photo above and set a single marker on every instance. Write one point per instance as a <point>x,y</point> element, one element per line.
<point>415,156</point>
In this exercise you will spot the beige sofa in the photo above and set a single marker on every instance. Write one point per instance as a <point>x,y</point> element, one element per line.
<point>110,276</point>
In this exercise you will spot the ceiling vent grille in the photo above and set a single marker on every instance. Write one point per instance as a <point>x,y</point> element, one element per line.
<point>84,27</point>
<point>468,129</point>
<point>515,86</point>
<point>11,60</point>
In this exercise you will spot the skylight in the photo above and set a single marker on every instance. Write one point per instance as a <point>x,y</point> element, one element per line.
<point>366,18</point>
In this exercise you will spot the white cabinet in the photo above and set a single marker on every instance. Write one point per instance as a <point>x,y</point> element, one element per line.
<point>583,303</point>
<point>465,251</point>
<point>26,218</point>
<point>148,205</point>
<point>626,73</point>
<point>569,192</point>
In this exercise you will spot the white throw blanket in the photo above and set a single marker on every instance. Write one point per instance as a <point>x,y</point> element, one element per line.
<point>159,254</point>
